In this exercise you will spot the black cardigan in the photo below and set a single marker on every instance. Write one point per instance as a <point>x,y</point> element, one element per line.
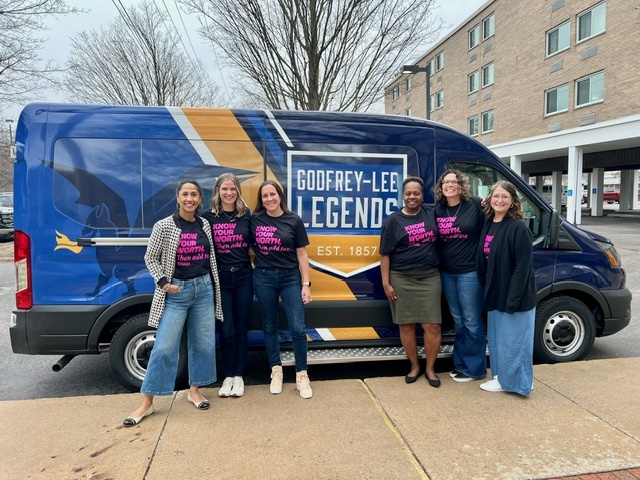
<point>509,283</point>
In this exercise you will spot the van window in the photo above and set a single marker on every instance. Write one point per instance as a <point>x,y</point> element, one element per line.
<point>481,177</point>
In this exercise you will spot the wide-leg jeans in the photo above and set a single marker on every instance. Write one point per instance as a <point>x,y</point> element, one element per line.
<point>193,305</point>
<point>464,293</point>
<point>270,284</point>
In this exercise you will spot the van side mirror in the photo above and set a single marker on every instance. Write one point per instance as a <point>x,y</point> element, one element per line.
<point>551,223</point>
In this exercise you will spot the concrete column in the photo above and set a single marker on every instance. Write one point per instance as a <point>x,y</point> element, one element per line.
<point>635,202</point>
<point>574,185</point>
<point>515,162</point>
<point>595,195</point>
<point>539,183</point>
<point>525,177</point>
<point>556,190</point>
<point>626,179</point>
<point>588,189</point>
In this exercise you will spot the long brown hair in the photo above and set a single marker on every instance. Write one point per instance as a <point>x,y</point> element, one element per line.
<point>283,204</point>
<point>515,210</point>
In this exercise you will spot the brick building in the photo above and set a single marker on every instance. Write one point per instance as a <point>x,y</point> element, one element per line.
<point>550,86</point>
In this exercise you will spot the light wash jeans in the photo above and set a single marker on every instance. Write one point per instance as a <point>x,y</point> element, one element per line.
<point>464,294</point>
<point>511,349</point>
<point>193,304</point>
<point>269,284</point>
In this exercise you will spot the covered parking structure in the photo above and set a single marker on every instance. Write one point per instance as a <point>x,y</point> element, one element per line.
<point>592,149</point>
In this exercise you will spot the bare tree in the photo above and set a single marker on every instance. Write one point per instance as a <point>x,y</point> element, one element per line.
<point>316,54</point>
<point>21,72</point>
<point>137,60</point>
<point>6,162</point>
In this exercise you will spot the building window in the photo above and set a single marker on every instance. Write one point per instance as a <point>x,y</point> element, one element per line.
<point>487,121</point>
<point>395,94</point>
<point>407,84</point>
<point>487,75</point>
<point>556,100</point>
<point>558,38</point>
<point>474,81</point>
<point>407,112</point>
<point>440,61</point>
<point>590,90</point>
<point>474,37</point>
<point>431,65</point>
<point>440,99</point>
<point>432,103</point>
<point>473,125</point>
<point>489,26</point>
<point>592,22</point>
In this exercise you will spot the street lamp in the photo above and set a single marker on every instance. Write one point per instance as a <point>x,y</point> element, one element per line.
<point>10,121</point>
<point>413,69</point>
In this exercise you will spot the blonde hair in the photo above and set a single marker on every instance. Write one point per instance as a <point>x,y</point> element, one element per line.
<point>216,201</point>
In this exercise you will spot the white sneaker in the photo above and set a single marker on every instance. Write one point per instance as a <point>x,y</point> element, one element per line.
<point>237,390</point>
<point>225,389</point>
<point>276,380</point>
<point>303,384</point>
<point>492,385</point>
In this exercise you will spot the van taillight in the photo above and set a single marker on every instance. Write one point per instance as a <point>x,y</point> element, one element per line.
<point>22,262</point>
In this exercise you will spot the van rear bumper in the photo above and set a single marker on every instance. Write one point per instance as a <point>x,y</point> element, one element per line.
<point>620,304</point>
<point>53,329</point>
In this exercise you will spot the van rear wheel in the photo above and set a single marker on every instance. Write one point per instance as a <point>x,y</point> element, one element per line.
<point>564,332</point>
<point>130,351</point>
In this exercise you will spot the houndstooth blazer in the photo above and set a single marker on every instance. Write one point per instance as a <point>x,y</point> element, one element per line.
<point>161,262</point>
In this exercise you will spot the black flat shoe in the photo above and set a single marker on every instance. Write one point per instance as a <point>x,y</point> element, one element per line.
<point>410,379</point>
<point>434,383</point>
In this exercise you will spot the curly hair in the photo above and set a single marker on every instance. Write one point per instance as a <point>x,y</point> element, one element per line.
<point>216,202</point>
<point>515,210</point>
<point>463,185</point>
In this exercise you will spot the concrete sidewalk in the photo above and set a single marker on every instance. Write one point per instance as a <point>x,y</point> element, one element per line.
<point>581,418</point>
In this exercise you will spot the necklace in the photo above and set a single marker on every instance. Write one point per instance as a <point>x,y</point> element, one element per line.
<point>455,214</point>
<point>230,218</point>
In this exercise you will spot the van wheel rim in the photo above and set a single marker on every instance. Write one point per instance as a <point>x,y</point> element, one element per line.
<point>137,353</point>
<point>564,333</point>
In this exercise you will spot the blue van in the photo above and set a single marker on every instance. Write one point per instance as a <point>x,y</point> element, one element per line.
<point>90,181</point>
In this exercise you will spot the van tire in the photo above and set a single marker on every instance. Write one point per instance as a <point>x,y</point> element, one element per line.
<point>564,331</point>
<point>130,351</point>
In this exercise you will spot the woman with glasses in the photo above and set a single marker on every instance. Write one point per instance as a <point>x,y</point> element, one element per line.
<point>410,277</point>
<point>460,220</point>
<point>505,265</point>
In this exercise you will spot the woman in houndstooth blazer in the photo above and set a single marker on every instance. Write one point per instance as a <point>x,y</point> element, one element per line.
<point>181,260</point>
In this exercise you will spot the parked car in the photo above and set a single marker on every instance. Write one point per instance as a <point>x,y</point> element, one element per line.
<point>6,216</point>
<point>611,196</point>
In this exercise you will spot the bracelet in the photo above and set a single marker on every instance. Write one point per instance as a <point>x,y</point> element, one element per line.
<point>165,287</point>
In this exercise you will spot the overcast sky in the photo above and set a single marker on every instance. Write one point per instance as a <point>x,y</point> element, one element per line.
<point>102,12</point>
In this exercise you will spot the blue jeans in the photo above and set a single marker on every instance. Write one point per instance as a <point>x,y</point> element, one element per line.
<point>511,349</point>
<point>464,294</point>
<point>237,300</point>
<point>193,304</point>
<point>286,284</point>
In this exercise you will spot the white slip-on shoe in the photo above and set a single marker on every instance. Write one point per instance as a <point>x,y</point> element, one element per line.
<point>225,389</point>
<point>492,385</point>
<point>276,380</point>
<point>237,390</point>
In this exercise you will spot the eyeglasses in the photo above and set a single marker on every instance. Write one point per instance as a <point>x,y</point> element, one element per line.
<point>450,182</point>
<point>504,198</point>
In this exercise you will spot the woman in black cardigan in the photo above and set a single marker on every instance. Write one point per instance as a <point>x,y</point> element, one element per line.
<point>505,266</point>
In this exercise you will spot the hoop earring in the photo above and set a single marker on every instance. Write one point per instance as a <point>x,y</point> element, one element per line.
<point>200,207</point>
<point>178,206</point>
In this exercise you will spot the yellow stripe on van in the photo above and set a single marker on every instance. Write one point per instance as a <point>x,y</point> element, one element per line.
<point>355,333</point>
<point>230,145</point>
<point>345,255</point>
